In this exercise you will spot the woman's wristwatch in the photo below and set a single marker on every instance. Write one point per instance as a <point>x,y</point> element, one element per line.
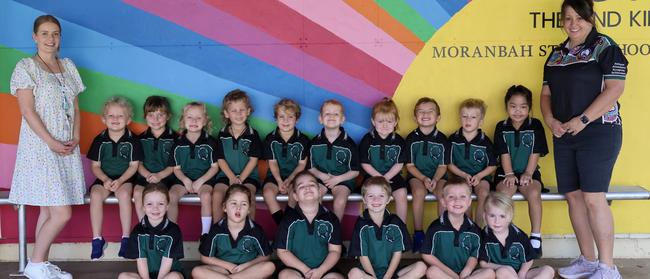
<point>584,119</point>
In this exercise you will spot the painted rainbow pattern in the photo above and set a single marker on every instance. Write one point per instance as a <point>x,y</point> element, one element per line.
<point>353,50</point>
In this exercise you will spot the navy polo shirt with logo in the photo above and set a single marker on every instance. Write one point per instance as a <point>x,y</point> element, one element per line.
<point>452,247</point>
<point>382,154</point>
<point>520,143</point>
<point>427,152</point>
<point>516,251</point>
<point>308,241</point>
<point>249,244</point>
<point>575,76</point>
<point>287,154</point>
<point>155,243</point>
<point>157,151</point>
<point>472,156</point>
<point>237,152</point>
<point>195,159</point>
<point>378,243</point>
<point>336,158</point>
<point>115,157</point>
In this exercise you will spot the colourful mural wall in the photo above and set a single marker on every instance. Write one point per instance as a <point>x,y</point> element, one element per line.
<point>356,51</point>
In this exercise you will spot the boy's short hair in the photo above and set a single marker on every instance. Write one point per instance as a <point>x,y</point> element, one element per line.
<point>238,188</point>
<point>425,100</point>
<point>386,106</point>
<point>454,180</point>
<point>119,101</point>
<point>155,187</point>
<point>292,186</point>
<point>333,102</point>
<point>500,201</point>
<point>287,104</point>
<point>375,181</point>
<point>472,103</point>
<point>231,97</point>
<point>155,103</point>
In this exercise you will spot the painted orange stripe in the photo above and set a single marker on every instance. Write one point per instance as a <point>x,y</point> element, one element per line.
<point>91,124</point>
<point>375,14</point>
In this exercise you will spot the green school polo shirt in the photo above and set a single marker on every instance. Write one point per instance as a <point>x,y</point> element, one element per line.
<point>452,247</point>
<point>286,153</point>
<point>115,157</point>
<point>238,151</point>
<point>382,154</point>
<point>520,143</point>
<point>195,158</point>
<point>472,156</point>
<point>249,244</point>
<point>157,151</point>
<point>516,251</point>
<point>155,243</point>
<point>427,152</point>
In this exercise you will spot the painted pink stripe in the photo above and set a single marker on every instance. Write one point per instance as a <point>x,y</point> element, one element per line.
<point>284,23</point>
<point>348,24</point>
<point>224,28</point>
<point>8,155</point>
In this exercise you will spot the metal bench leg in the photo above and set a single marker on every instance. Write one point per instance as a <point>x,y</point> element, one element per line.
<point>22,241</point>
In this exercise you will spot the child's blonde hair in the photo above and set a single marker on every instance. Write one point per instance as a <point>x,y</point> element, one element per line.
<point>425,100</point>
<point>334,103</point>
<point>208,121</point>
<point>472,103</point>
<point>454,180</point>
<point>375,181</point>
<point>234,96</point>
<point>500,201</point>
<point>157,103</point>
<point>119,101</point>
<point>155,187</point>
<point>386,106</point>
<point>286,105</point>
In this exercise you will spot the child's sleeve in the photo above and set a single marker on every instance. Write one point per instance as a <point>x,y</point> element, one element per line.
<point>305,145</point>
<point>447,145</point>
<point>528,248</point>
<point>407,149</point>
<point>205,247</point>
<point>219,150</point>
<point>255,149</point>
<point>354,160</point>
<point>138,153</point>
<point>172,158</point>
<point>268,153</point>
<point>364,147</point>
<point>540,145</point>
<point>427,245</point>
<point>93,151</point>
<point>492,157</point>
<point>282,235</point>
<point>402,155</point>
<point>335,237</point>
<point>482,253</point>
<point>133,248</point>
<point>476,246</point>
<point>265,248</point>
<point>355,242</point>
<point>216,148</point>
<point>406,240</point>
<point>176,250</point>
<point>500,146</point>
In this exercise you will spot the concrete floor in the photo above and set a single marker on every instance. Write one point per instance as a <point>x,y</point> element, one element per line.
<point>630,268</point>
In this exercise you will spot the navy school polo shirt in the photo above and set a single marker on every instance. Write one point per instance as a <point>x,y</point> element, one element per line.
<point>427,152</point>
<point>516,251</point>
<point>378,243</point>
<point>249,244</point>
<point>472,156</point>
<point>576,76</point>
<point>195,158</point>
<point>115,157</point>
<point>237,152</point>
<point>382,154</point>
<point>452,247</point>
<point>157,151</point>
<point>155,243</point>
<point>520,144</point>
<point>286,153</point>
<point>334,158</point>
<point>308,241</point>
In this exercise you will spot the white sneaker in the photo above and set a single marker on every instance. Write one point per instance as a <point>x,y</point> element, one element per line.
<point>606,272</point>
<point>578,268</point>
<point>57,272</point>
<point>37,271</point>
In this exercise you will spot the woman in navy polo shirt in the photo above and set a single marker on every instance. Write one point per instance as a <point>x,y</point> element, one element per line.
<point>583,79</point>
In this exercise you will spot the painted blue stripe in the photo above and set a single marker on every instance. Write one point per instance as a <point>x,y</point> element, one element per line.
<point>452,6</point>
<point>168,42</point>
<point>431,11</point>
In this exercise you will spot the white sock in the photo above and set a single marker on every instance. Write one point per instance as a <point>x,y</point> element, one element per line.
<point>534,242</point>
<point>206,222</point>
<point>97,237</point>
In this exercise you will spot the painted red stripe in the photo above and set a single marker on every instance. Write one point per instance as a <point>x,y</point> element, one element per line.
<point>284,23</point>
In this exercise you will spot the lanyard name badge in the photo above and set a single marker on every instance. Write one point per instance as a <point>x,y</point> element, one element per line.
<point>65,104</point>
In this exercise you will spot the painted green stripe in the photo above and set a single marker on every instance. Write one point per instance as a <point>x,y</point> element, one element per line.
<point>410,18</point>
<point>101,86</point>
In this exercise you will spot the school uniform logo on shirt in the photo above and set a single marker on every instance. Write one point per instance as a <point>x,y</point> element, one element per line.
<point>435,151</point>
<point>295,149</point>
<point>245,146</point>
<point>342,157</point>
<point>247,245</point>
<point>204,153</point>
<point>393,234</point>
<point>324,230</point>
<point>480,156</point>
<point>167,146</point>
<point>163,243</point>
<point>527,139</point>
<point>466,242</point>
<point>125,151</point>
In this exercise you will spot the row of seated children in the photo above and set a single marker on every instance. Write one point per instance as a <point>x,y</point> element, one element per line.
<point>308,241</point>
<point>207,166</point>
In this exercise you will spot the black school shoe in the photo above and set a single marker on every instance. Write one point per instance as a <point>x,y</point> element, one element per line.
<point>538,251</point>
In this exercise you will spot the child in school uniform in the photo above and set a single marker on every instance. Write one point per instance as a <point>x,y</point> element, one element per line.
<point>334,157</point>
<point>286,151</point>
<point>381,152</point>
<point>520,142</point>
<point>157,142</point>
<point>427,157</point>
<point>308,240</point>
<point>506,248</point>
<point>194,158</point>
<point>156,243</point>
<point>115,154</point>
<point>239,149</point>
<point>236,246</point>
<point>452,243</point>
<point>380,237</point>
<point>472,152</point>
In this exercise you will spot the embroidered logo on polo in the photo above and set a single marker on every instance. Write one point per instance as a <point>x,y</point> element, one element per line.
<point>435,152</point>
<point>392,234</point>
<point>166,146</point>
<point>294,151</point>
<point>247,245</point>
<point>527,139</point>
<point>466,242</point>
<point>245,146</point>
<point>479,156</point>
<point>203,153</point>
<point>342,157</point>
<point>124,150</point>
<point>324,230</point>
<point>392,152</point>
<point>162,244</point>
<point>515,253</point>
